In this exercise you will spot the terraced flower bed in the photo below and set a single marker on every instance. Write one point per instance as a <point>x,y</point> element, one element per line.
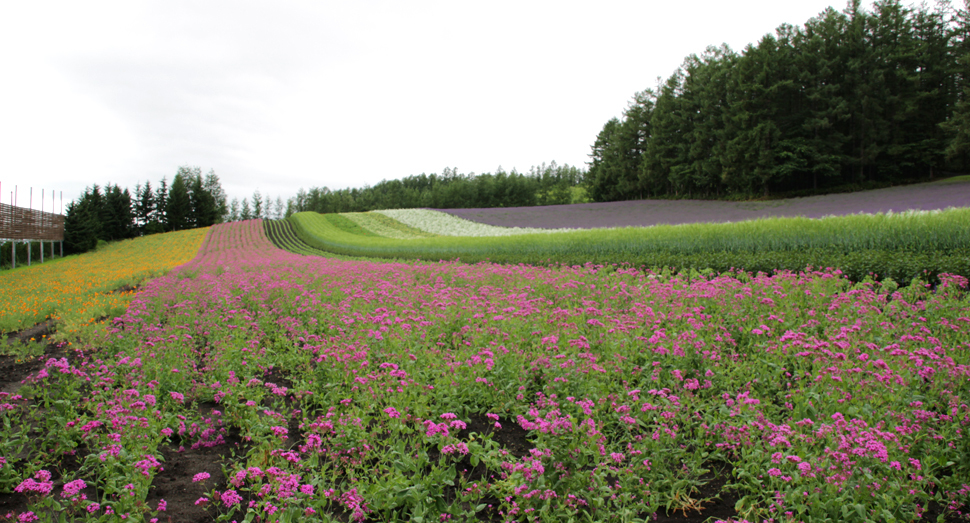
<point>901,246</point>
<point>334,390</point>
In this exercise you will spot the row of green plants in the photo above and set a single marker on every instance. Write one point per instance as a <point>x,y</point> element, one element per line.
<point>899,246</point>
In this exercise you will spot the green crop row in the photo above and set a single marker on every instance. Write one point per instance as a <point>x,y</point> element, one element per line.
<point>900,246</point>
<point>280,233</point>
<point>385,226</point>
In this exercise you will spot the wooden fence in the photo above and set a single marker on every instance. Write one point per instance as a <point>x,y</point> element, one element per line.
<point>18,223</point>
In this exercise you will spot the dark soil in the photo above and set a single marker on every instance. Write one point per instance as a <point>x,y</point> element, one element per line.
<point>722,501</point>
<point>174,484</point>
<point>36,332</point>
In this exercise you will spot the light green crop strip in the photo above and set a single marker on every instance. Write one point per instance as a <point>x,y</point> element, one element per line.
<point>385,226</point>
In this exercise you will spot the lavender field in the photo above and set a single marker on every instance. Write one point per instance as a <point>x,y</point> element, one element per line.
<point>642,213</point>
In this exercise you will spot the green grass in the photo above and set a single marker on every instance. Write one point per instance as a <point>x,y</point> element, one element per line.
<point>899,246</point>
<point>954,179</point>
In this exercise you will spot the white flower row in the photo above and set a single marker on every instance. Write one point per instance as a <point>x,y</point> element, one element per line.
<point>444,224</point>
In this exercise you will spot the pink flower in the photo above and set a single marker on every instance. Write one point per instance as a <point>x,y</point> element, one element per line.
<point>230,498</point>
<point>392,412</point>
<point>72,488</point>
<point>201,476</point>
<point>42,487</point>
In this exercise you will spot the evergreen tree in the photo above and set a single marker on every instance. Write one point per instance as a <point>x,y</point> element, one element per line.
<point>820,72</point>
<point>160,218</point>
<point>119,222</point>
<point>178,210</point>
<point>82,223</point>
<point>214,187</point>
<point>233,211</point>
<point>144,207</point>
<point>278,209</point>
<point>205,210</point>
<point>665,163</point>
<point>245,213</point>
<point>257,211</point>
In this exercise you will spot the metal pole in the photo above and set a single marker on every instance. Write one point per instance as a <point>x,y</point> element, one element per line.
<point>13,243</point>
<point>42,224</point>
<point>43,221</point>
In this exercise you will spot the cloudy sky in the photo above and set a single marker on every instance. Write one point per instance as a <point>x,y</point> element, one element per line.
<point>281,95</point>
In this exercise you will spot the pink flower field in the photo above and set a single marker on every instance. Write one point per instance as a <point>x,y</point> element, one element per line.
<point>256,385</point>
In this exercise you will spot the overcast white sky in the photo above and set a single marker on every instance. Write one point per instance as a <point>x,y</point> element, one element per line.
<point>282,95</point>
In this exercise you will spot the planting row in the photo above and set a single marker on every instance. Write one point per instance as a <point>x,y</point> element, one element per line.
<point>77,290</point>
<point>899,246</point>
<point>369,391</point>
<point>443,224</point>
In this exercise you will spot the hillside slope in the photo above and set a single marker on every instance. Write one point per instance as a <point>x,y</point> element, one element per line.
<point>643,213</point>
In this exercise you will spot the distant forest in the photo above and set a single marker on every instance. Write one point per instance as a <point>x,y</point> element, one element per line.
<point>850,98</point>
<point>547,184</point>
<point>113,213</point>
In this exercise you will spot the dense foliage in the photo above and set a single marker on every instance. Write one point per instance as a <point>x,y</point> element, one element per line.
<point>543,185</point>
<point>361,391</point>
<point>850,98</point>
<point>115,214</point>
<point>897,246</point>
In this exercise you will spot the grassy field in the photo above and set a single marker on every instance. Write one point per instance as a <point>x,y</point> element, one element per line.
<point>901,246</point>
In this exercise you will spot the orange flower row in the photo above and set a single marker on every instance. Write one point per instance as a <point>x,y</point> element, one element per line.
<point>81,289</point>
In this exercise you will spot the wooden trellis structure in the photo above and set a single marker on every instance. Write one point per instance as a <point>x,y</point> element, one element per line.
<point>18,223</point>
<point>27,225</point>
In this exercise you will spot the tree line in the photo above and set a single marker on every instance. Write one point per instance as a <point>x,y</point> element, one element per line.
<point>547,184</point>
<point>851,97</point>
<point>112,213</point>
